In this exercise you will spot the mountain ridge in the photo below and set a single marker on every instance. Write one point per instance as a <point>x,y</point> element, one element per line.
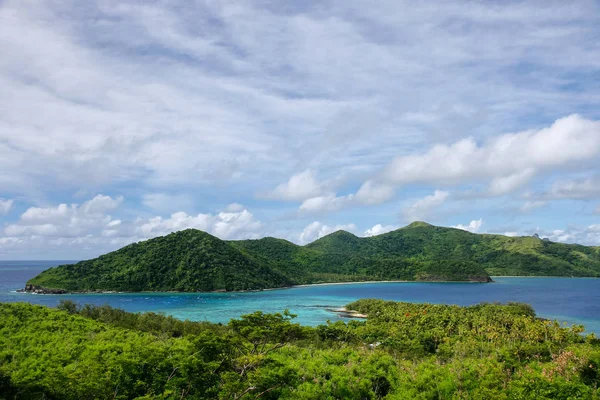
<point>193,260</point>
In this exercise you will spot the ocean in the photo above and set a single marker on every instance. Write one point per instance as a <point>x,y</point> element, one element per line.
<point>568,300</point>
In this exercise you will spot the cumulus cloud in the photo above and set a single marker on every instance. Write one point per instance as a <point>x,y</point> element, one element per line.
<point>374,193</point>
<point>510,160</point>
<point>330,202</point>
<point>101,204</point>
<point>65,220</point>
<point>379,229</point>
<point>370,193</point>
<point>474,226</point>
<point>299,187</point>
<point>422,208</point>
<point>5,206</point>
<point>91,224</point>
<point>316,230</point>
<point>225,225</point>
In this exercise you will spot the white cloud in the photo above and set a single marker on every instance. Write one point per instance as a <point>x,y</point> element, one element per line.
<point>510,183</point>
<point>474,226</point>
<point>101,204</point>
<point>65,220</point>
<point>89,223</point>
<point>511,234</point>
<point>510,160</point>
<point>239,96</point>
<point>299,187</point>
<point>148,98</point>
<point>374,193</point>
<point>422,208</point>
<point>5,206</point>
<point>369,193</point>
<point>330,202</point>
<point>316,230</point>
<point>379,229</point>
<point>225,225</point>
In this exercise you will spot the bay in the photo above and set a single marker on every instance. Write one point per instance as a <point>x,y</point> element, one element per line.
<point>568,300</point>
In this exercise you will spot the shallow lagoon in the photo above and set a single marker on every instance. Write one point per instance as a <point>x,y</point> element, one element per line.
<point>570,300</point>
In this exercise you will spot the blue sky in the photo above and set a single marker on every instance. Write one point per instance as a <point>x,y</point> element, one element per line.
<point>121,121</point>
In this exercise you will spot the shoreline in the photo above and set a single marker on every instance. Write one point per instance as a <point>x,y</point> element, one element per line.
<point>544,276</point>
<point>361,282</point>
<point>62,292</point>
<point>44,291</point>
<point>58,292</point>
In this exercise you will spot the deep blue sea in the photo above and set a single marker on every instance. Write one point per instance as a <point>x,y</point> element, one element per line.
<point>569,300</point>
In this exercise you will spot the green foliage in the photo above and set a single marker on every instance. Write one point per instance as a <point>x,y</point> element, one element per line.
<point>498,255</point>
<point>158,324</point>
<point>189,260</point>
<point>192,260</point>
<point>403,350</point>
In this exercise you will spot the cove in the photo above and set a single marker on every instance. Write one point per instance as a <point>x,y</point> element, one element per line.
<point>569,300</point>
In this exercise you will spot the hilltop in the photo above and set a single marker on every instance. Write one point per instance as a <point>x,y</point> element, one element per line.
<point>189,260</point>
<point>192,260</point>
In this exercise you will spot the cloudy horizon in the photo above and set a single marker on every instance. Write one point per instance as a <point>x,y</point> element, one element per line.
<point>122,121</point>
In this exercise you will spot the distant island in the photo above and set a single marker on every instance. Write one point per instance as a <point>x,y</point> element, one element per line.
<point>195,261</point>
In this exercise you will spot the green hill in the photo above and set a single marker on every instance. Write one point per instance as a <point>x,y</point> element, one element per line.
<point>193,260</point>
<point>189,260</point>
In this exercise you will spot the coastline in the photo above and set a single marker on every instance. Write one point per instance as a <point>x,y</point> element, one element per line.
<point>45,291</point>
<point>61,291</point>
<point>544,276</point>
<point>361,282</point>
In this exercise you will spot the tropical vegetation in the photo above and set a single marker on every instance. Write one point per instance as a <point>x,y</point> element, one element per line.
<point>401,351</point>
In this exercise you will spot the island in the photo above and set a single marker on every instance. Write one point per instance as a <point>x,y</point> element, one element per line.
<point>195,261</point>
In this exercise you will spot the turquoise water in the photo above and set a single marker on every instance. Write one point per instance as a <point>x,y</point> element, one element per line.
<point>569,300</point>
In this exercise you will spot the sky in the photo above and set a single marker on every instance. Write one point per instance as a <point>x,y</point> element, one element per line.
<point>125,120</point>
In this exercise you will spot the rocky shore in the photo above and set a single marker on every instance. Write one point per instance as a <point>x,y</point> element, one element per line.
<point>40,290</point>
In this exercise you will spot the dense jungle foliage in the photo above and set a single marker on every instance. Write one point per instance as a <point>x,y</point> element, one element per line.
<point>193,260</point>
<point>189,260</point>
<point>402,351</point>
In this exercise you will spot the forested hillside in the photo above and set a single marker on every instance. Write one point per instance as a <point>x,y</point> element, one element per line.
<point>193,260</point>
<point>189,260</point>
<point>402,351</point>
<point>497,254</point>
